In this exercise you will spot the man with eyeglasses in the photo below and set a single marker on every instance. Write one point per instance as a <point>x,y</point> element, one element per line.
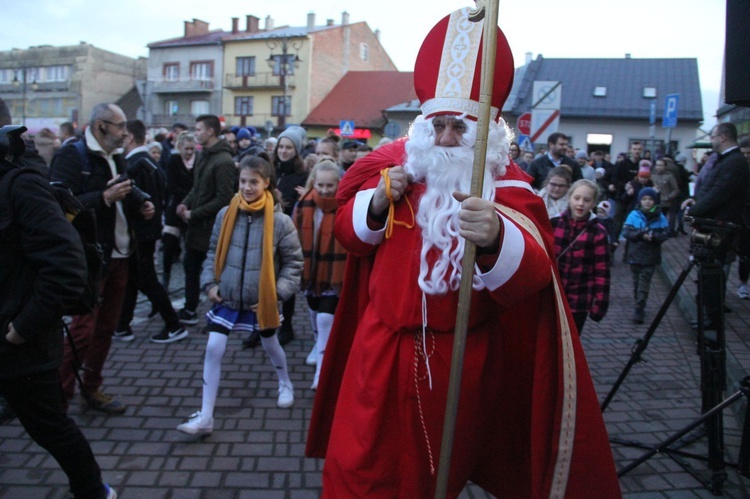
<point>90,169</point>
<point>721,194</point>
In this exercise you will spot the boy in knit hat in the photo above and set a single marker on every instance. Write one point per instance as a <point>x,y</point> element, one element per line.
<point>645,229</point>
<point>641,180</point>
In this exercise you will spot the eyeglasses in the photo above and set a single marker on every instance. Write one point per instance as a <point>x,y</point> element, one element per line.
<point>119,126</point>
<point>557,186</point>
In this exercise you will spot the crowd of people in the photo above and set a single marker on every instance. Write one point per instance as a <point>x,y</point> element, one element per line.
<point>374,239</point>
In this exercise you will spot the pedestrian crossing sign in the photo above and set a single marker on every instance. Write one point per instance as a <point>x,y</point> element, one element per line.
<point>347,128</point>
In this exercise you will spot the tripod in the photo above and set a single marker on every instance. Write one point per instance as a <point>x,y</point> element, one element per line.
<point>711,342</point>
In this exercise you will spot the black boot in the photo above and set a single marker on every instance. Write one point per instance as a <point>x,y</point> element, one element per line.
<point>251,341</point>
<point>638,316</point>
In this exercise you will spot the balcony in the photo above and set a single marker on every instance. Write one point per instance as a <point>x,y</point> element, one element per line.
<point>8,87</point>
<point>258,81</point>
<point>182,85</point>
<point>167,120</point>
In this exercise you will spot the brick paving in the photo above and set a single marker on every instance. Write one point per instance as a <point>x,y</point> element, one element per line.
<point>256,450</point>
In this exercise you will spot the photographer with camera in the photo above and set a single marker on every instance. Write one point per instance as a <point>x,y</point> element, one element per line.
<point>142,169</point>
<point>721,195</point>
<point>92,169</point>
<point>42,272</point>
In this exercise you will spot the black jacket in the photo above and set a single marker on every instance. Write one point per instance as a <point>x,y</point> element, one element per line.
<point>623,172</point>
<point>179,183</point>
<point>67,167</point>
<point>723,193</point>
<point>540,168</point>
<point>150,179</point>
<point>42,272</point>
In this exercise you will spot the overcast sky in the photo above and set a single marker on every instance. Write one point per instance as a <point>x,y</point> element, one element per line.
<point>552,28</point>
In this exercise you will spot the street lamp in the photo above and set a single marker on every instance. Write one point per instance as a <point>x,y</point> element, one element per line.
<point>23,84</point>
<point>286,65</point>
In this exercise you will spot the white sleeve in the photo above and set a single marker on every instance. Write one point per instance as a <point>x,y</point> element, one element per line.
<point>359,219</point>
<point>509,259</point>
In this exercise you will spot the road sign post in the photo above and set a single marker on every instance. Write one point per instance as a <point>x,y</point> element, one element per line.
<point>669,120</point>
<point>545,108</point>
<point>524,124</point>
<point>346,128</point>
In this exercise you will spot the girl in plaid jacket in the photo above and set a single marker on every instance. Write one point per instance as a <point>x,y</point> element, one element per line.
<point>582,249</point>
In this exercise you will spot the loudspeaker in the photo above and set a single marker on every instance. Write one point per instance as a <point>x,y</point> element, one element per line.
<point>737,53</point>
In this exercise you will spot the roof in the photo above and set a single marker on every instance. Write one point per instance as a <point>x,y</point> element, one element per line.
<point>218,36</point>
<point>624,79</point>
<point>362,96</point>
<point>211,38</point>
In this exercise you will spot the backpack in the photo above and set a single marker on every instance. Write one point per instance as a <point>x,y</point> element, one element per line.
<point>84,222</point>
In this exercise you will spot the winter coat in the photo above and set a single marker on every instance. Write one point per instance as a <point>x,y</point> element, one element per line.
<point>150,179</point>
<point>723,193</point>
<point>42,271</point>
<point>241,275</point>
<point>179,183</point>
<point>541,166</point>
<point>214,177</point>
<point>67,167</point>
<point>640,251</point>
<point>582,249</point>
<point>666,184</point>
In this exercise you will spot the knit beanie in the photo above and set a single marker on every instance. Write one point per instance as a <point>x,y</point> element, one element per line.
<point>296,134</point>
<point>650,192</point>
<point>644,171</point>
<point>244,133</point>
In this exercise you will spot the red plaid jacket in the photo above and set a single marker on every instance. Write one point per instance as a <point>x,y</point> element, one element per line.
<point>582,250</point>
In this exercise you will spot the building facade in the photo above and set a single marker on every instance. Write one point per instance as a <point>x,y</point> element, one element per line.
<point>44,86</point>
<point>606,104</point>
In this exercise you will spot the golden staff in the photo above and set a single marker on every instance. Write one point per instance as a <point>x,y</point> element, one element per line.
<point>487,10</point>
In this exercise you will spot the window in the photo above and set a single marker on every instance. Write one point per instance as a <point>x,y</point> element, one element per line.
<point>56,73</point>
<point>243,106</point>
<point>649,92</point>
<point>279,106</point>
<point>364,51</point>
<point>6,75</point>
<point>246,66</point>
<point>171,71</point>
<point>600,91</point>
<point>171,107</point>
<point>290,60</point>
<point>202,70</point>
<point>198,107</point>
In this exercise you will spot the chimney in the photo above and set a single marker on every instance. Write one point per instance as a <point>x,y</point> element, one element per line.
<point>310,20</point>
<point>329,22</point>
<point>252,24</point>
<point>344,18</point>
<point>627,55</point>
<point>235,25</point>
<point>377,34</point>
<point>269,23</point>
<point>529,57</point>
<point>195,27</point>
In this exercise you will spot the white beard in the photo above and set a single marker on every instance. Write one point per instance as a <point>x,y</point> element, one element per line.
<point>445,170</point>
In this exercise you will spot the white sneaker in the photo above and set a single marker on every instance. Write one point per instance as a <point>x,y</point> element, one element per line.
<point>312,357</point>
<point>286,395</point>
<point>197,425</point>
<point>743,292</point>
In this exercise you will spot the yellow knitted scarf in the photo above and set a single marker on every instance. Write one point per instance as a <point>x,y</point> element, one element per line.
<point>268,312</point>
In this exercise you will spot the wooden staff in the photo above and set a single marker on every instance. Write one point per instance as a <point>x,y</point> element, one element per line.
<point>487,10</point>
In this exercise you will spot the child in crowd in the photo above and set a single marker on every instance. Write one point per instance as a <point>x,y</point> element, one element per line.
<point>582,249</point>
<point>325,258</point>
<point>554,190</point>
<point>646,228</point>
<point>254,261</point>
<point>668,188</point>
<point>605,219</point>
<point>632,188</point>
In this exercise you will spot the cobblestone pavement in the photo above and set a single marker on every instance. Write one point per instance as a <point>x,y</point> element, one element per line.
<point>256,450</point>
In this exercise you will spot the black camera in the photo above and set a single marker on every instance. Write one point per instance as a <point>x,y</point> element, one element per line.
<point>136,194</point>
<point>709,233</point>
<point>12,145</point>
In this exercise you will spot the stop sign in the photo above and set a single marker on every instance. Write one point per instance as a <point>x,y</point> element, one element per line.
<point>524,124</point>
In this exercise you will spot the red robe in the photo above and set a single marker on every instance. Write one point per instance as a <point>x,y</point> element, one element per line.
<point>528,425</point>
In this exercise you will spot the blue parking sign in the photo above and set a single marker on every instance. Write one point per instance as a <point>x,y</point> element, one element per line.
<point>670,111</point>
